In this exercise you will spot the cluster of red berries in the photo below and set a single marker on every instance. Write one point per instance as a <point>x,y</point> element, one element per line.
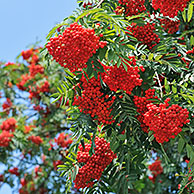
<point>141,104</point>
<point>38,171</point>
<point>24,79</point>
<point>145,34</point>
<point>94,102</point>
<point>7,105</point>
<point>9,125</point>
<point>14,171</point>
<point>187,62</point>
<point>9,64</point>
<point>169,25</point>
<point>28,186</point>
<point>120,79</point>
<point>38,108</point>
<point>156,169</point>
<point>35,91</point>
<point>25,187</point>
<point>169,7</point>
<point>93,165</point>
<point>190,51</point>
<point>27,129</point>
<point>133,7</point>
<point>30,55</point>
<point>35,139</point>
<point>74,47</point>
<point>5,138</point>
<point>27,54</point>
<point>87,4</point>
<point>63,140</point>
<point>35,69</point>
<point>165,122</point>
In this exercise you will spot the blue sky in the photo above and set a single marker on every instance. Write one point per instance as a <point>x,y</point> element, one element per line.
<point>23,22</point>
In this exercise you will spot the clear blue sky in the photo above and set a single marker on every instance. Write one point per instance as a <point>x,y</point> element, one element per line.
<point>22,22</point>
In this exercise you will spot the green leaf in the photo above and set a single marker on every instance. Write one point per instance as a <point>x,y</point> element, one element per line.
<point>158,57</point>
<point>190,12</point>
<point>166,85</point>
<point>89,69</point>
<point>191,160</point>
<point>52,31</point>
<point>184,15</point>
<point>125,66</point>
<point>174,89</point>
<point>181,144</point>
<point>192,40</point>
<point>150,57</point>
<point>119,62</point>
<point>189,150</point>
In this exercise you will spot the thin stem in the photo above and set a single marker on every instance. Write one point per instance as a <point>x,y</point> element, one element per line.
<point>99,4</point>
<point>165,155</point>
<point>161,93</point>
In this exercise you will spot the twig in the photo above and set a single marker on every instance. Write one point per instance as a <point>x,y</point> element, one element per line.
<point>165,155</point>
<point>161,93</point>
<point>99,4</point>
<point>189,183</point>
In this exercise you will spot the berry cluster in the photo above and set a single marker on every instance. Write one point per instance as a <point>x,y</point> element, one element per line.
<point>5,138</point>
<point>169,25</point>
<point>28,183</point>
<point>190,51</point>
<point>38,171</point>
<point>87,4</point>
<point>156,169</point>
<point>14,171</point>
<point>35,69</point>
<point>133,7</point>
<point>93,165</point>
<point>9,64</point>
<point>165,122</point>
<point>74,47</point>
<point>94,102</point>
<point>9,125</point>
<point>7,105</point>
<point>30,56</point>
<point>27,129</point>
<point>141,104</point>
<point>63,140</point>
<point>145,34</point>
<point>24,79</point>
<point>120,79</point>
<point>169,7</point>
<point>36,139</point>
<point>35,91</point>
<point>27,54</point>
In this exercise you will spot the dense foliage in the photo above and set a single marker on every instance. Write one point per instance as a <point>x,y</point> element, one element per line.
<point>108,102</point>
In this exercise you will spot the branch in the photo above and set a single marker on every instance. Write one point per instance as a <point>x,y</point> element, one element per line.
<point>99,4</point>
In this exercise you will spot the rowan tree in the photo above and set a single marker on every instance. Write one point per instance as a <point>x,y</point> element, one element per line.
<point>108,101</point>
